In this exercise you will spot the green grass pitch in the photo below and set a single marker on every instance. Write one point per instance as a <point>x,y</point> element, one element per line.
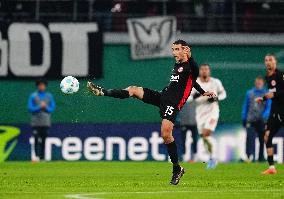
<point>89,180</point>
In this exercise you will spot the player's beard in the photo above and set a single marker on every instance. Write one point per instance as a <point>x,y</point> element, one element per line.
<point>205,77</point>
<point>270,69</point>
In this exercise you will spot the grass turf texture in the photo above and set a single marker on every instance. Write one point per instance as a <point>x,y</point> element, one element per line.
<point>128,179</point>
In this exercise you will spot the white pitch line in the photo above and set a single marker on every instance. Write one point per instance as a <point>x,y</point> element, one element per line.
<point>79,196</point>
<point>89,195</point>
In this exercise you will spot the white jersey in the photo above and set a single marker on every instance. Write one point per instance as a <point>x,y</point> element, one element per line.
<point>207,113</point>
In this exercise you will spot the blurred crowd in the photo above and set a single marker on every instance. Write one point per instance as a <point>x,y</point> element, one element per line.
<point>192,15</point>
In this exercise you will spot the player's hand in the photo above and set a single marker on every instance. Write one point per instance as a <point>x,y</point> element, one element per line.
<point>258,100</point>
<point>43,105</point>
<point>269,95</point>
<point>187,51</point>
<point>209,94</point>
<point>212,99</point>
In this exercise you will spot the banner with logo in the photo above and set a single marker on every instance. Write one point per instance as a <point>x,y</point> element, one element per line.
<point>136,142</point>
<point>151,37</point>
<point>50,50</point>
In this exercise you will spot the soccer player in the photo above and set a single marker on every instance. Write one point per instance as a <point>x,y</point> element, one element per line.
<point>170,100</point>
<point>207,109</point>
<point>275,84</point>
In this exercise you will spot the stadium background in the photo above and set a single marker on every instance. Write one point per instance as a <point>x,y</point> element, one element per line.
<point>235,63</point>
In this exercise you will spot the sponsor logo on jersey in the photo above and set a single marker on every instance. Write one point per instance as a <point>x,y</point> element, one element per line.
<point>273,83</point>
<point>272,90</point>
<point>180,69</point>
<point>174,78</point>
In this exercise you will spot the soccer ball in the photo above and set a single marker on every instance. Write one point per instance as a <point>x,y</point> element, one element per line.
<point>69,85</point>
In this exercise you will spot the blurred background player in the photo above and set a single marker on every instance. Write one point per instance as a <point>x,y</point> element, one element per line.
<point>188,127</point>
<point>207,109</point>
<point>41,104</point>
<point>254,117</point>
<point>275,84</point>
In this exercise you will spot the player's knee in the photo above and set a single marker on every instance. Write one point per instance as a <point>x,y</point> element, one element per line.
<point>167,129</point>
<point>206,133</point>
<point>168,138</point>
<point>166,132</point>
<point>134,91</point>
<point>266,136</point>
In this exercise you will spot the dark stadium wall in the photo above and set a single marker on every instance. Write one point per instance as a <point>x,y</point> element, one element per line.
<point>236,66</point>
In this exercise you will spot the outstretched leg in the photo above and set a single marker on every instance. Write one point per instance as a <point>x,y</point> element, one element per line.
<point>131,91</point>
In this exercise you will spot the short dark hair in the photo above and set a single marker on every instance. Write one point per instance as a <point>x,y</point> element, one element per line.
<point>204,64</point>
<point>271,55</point>
<point>41,81</point>
<point>182,42</point>
<point>260,78</point>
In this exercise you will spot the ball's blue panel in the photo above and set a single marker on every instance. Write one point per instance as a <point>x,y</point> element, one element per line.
<point>70,90</point>
<point>69,80</point>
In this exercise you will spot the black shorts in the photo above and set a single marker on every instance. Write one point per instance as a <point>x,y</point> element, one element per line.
<point>168,110</point>
<point>275,122</point>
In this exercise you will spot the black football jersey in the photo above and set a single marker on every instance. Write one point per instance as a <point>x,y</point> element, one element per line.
<point>183,78</point>
<point>275,84</point>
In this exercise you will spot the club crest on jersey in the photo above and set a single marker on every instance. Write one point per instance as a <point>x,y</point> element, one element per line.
<point>180,69</point>
<point>273,83</point>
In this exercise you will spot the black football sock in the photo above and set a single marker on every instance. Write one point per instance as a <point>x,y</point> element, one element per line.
<point>172,151</point>
<point>270,160</point>
<point>116,93</point>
